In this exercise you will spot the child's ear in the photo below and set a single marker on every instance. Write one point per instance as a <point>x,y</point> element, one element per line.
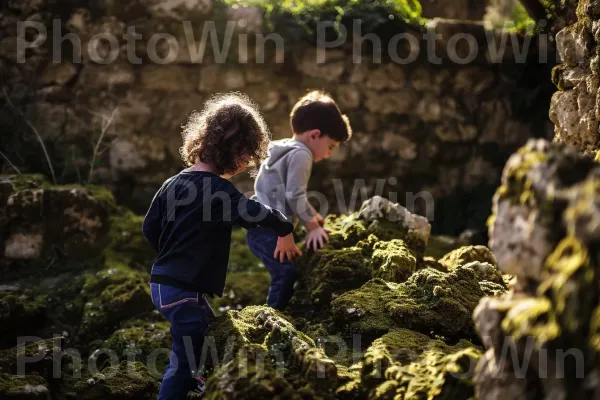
<point>315,134</point>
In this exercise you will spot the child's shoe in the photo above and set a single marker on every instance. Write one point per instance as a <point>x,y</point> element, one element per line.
<point>201,384</point>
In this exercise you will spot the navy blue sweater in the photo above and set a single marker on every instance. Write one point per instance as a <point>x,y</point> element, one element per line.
<point>189,224</point>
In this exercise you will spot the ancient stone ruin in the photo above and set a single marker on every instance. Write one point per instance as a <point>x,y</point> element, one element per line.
<point>387,309</point>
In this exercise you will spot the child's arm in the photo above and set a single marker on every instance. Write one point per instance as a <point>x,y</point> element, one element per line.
<point>249,213</point>
<point>296,184</point>
<point>299,168</point>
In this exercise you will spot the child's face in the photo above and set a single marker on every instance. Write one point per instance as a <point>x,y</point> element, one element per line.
<point>321,146</point>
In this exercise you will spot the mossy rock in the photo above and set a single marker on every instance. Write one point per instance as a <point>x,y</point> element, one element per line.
<point>467,254</point>
<point>258,345</point>
<point>149,341</point>
<point>430,301</point>
<point>393,261</point>
<point>30,387</point>
<point>112,295</point>
<point>540,182</point>
<point>37,358</point>
<point>50,226</point>
<point>407,364</point>
<point>128,380</point>
<point>242,379</point>
<point>248,288</point>
<point>328,272</point>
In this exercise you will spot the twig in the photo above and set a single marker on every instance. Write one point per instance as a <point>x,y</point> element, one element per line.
<point>99,142</point>
<point>10,163</point>
<point>37,134</point>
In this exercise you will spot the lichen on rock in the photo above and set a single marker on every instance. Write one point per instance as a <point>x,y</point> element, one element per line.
<point>543,231</point>
<point>406,364</point>
<point>467,254</point>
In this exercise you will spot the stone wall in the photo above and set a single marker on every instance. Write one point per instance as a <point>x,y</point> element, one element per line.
<point>574,109</point>
<point>446,129</point>
<point>462,9</point>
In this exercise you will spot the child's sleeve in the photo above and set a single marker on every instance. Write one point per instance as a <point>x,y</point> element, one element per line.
<point>296,183</point>
<point>250,213</point>
<point>152,224</point>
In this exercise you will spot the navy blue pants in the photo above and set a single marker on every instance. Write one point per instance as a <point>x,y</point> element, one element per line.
<point>262,242</point>
<point>189,314</point>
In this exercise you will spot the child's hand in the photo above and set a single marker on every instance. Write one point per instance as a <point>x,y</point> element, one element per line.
<point>286,247</point>
<point>317,238</point>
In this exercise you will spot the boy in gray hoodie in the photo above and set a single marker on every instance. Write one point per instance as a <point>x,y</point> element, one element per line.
<point>318,127</point>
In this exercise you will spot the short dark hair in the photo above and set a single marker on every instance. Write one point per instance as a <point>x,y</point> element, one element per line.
<point>318,110</point>
<point>229,127</point>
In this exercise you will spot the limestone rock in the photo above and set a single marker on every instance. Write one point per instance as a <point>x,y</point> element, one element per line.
<point>522,228</point>
<point>378,207</point>
<point>542,230</point>
<point>329,69</point>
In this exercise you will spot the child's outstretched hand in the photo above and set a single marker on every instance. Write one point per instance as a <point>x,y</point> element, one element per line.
<point>286,247</point>
<point>317,238</point>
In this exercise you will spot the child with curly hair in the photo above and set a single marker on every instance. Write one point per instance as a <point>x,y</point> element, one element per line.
<point>189,224</point>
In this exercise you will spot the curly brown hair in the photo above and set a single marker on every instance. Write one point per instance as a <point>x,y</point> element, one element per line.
<point>229,128</point>
<point>318,110</point>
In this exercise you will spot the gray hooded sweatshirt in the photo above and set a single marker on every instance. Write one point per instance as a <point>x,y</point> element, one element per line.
<point>283,178</point>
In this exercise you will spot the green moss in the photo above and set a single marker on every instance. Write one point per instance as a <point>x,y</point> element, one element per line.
<point>305,12</point>
<point>28,387</point>
<point>429,301</point>
<point>243,377</point>
<point>257,344</point>
<point>328,272</point>
<point>467,254</point>
<point>25,181</point>
<point>128,380</point>
<point>407,364</point>
<point>142,338</point>
<point>43,351</point>
<point>112,294</point>
<point>393,261</point>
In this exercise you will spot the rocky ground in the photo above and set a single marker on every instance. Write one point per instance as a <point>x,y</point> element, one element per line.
<point>374,314</point>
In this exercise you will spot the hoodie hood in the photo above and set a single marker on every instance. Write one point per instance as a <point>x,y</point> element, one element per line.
<point>279,148</point>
